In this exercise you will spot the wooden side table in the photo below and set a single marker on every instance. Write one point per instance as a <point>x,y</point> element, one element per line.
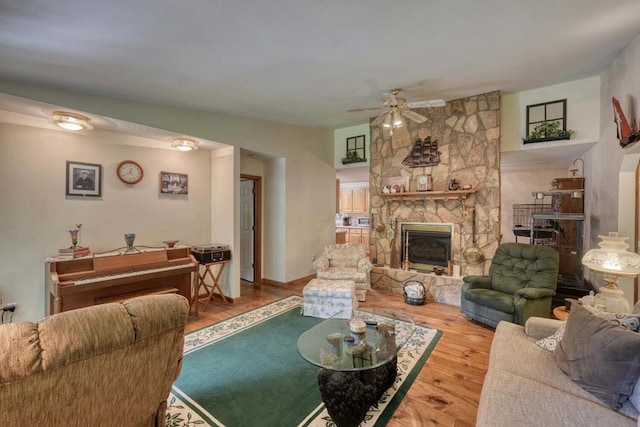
<point>560,313</point>
<point>205,270</point>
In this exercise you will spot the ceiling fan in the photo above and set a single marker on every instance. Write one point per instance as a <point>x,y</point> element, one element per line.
<point>395,107</point>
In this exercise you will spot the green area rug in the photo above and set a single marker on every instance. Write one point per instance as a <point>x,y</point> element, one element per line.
<point>246,371</point>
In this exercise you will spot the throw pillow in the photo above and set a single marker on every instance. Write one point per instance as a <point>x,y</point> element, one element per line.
<point>630,321</point>
<point>600,356</point>
<point>551,342</point>
<point>635,396</point>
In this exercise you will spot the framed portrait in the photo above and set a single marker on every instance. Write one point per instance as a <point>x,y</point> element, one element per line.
<point>84,179</point>
<point>174,183</point>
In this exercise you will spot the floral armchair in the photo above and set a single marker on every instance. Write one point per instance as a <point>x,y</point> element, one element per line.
<point>346,261</point>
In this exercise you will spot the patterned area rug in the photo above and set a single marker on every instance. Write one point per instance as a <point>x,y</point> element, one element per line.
<point>246,371</point>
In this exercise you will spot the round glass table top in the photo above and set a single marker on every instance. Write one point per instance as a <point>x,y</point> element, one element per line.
<point>371,338</point>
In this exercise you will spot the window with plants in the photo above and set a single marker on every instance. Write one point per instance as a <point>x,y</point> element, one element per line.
<point>355,150</point>
<point>547,122</point>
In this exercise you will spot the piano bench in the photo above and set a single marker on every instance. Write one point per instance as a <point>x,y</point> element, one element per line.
<point>129,295</point>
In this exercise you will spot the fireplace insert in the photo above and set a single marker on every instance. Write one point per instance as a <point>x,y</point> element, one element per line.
<point>426,245</point>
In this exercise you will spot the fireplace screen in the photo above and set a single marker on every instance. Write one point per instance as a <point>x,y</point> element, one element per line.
<point>426,245</point>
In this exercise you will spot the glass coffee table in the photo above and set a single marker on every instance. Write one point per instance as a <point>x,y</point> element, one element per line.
<point>357,358</point>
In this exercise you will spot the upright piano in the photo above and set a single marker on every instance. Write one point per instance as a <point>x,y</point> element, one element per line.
<point>96,279</point>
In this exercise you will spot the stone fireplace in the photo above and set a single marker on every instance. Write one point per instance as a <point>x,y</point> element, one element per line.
<point>468,135</point>
<point>425,246</point>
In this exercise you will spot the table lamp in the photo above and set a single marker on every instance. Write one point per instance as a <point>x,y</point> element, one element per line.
<point>614,261</point>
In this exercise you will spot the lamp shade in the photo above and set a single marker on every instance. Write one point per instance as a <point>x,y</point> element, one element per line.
<point>612,257</point>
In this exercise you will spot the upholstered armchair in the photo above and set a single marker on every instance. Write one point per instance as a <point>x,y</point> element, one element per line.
<point>522,280</point>
<point>103,365</point>
<point>345,261</point>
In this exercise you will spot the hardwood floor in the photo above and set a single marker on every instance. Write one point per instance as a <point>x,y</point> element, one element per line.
<point>447,390</point>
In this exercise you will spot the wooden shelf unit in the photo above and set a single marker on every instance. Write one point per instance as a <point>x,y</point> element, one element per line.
<point>430,195</point>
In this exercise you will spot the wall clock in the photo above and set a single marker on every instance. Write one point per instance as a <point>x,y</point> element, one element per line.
<point>129,172</point>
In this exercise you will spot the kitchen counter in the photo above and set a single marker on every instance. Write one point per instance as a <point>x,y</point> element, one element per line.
<point>358,227</point>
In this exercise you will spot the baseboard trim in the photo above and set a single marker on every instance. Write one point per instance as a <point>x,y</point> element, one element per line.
<point>288,284</point>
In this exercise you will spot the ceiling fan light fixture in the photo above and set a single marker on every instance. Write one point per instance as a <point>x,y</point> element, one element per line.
<point>397,120</point>
<point>387,121</point>
<point>184,144</point>
<point>70,121</point>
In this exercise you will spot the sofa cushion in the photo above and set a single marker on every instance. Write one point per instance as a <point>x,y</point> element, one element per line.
<point>342,273</point>
<point>600,356</point>
<point>493,299</point>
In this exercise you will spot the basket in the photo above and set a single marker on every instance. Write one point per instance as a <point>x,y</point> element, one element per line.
<point>414,292</point>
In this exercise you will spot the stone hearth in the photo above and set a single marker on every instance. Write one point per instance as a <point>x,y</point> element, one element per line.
<point>468,135</point>
<point>444,289</point>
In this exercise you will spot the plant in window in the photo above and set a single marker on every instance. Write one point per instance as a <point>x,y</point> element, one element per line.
<point>352,157</point>
<point>549,130</point>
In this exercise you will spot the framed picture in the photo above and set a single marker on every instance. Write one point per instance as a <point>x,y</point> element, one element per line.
<point>84,179</point>
<point>174,183</point>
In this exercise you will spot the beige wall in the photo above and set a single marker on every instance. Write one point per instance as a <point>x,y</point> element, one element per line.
<point>299,197</point>
<point>35,213</point>
<point>610,199</point>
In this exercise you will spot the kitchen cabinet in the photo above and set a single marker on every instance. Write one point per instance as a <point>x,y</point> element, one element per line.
<point>354,200</point>
<point>355,235</point>
<point>346,200</point>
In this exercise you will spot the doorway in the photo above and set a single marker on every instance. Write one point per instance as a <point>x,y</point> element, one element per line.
<point>250,228</point>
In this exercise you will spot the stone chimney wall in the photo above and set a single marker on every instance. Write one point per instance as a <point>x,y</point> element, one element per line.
<point>468,135</point>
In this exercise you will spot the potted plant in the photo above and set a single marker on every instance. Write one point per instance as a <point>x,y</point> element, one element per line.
<point>548,131</point>
<point>352,157</point>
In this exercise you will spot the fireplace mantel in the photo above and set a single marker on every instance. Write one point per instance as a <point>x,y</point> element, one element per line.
<point>429,195</point>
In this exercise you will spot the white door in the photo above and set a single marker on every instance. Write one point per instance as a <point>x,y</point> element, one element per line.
<point>246,230</point>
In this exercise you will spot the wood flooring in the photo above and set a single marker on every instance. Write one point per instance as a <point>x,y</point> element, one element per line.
<point>447,390</point>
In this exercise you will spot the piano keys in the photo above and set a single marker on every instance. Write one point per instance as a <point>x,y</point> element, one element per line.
<point>81,282</point>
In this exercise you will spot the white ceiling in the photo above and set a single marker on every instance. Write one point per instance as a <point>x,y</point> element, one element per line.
<point>304,62</point>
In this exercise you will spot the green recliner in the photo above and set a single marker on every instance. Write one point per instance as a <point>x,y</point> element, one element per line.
<point>522,280</point>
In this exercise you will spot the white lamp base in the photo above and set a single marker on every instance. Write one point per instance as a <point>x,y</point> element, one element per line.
<point>614,300</point>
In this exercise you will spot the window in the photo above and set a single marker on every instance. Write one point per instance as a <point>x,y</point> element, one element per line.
<point>355,150</point>
<point>547,122</point>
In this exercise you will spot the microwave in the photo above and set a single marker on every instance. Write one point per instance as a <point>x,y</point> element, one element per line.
<point>363,220</point>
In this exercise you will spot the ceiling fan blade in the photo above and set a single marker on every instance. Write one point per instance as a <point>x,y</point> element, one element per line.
<point>378,120</point>
<point>392,99</point>
<point>414,116</point>
<point>426,104</point>
<point>364,109</point>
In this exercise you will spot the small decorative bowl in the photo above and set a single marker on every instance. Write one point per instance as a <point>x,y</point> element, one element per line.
<point>170,243</point>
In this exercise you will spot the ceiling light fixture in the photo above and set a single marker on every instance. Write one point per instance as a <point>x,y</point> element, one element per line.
<point>184,144</point>
<point>397,120</point>
<point>70,121</point>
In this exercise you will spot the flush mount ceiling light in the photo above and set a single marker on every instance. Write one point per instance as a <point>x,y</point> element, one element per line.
<point>184,144</point>
<point>70,121</point>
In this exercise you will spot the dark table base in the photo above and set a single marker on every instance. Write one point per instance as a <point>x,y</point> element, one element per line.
<point>348,395</point>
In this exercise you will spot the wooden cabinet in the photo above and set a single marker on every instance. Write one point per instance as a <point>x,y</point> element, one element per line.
<point>355,235</point>
<point>360,200</point>
<point>346,200</point>
<point>365,239</point>
<point>354,200</point>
